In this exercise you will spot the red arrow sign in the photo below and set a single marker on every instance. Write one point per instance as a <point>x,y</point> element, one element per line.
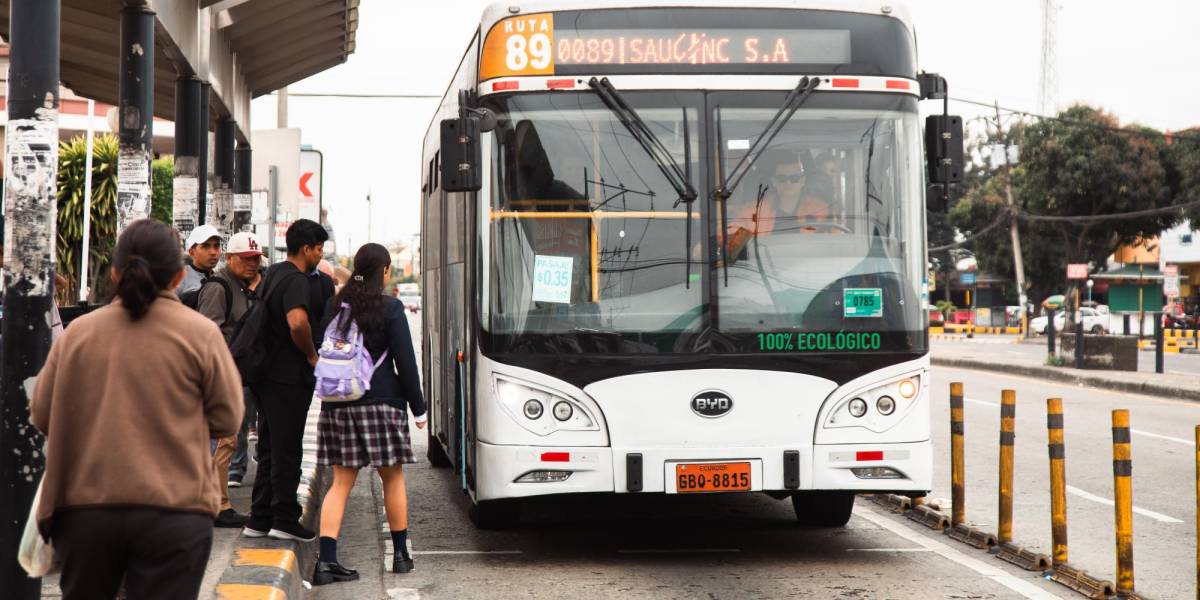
<point>304,184</point>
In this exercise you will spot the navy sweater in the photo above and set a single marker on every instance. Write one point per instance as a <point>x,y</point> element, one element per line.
<point>397,381</point>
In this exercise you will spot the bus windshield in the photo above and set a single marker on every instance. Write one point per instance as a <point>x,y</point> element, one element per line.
<point>587,231</point>
<point>820,248</point>
<point>824,235</point>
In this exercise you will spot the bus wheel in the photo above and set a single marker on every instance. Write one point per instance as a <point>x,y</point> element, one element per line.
<point>822,508</point>
<point>495,514</point>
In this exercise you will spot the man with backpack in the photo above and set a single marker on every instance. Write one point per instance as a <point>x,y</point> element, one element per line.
<point>225,298</point>
<point>282,379</point>
<point>204,252</point>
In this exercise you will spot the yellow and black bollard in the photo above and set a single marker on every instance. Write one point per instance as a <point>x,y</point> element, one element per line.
<point>1008,412</point>
<point>1061,571</point>
<point>958,509</point>
<point>1005,549</point>
<point>1058,482</point>
<point>1123,499</point>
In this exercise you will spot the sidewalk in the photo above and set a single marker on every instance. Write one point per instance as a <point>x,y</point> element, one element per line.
<point>1169,385</point>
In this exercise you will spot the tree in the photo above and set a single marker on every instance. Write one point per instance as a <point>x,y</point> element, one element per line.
<point>1183,169</point>
<point>162,202</point>
<point>1080,165</point>
<point>71,184</point>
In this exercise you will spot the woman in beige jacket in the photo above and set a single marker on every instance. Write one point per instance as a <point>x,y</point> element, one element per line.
<point>128,400</point>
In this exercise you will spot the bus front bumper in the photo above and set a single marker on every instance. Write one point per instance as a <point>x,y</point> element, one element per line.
<point>520,471</point>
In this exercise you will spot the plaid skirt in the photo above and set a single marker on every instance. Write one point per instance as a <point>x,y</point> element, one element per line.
<point>375,435</point>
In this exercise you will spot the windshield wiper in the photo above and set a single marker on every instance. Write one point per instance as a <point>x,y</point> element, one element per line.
<point>726,184</point>
<point>645,138</point>
<point>679,178</point>
<point>791,104</point>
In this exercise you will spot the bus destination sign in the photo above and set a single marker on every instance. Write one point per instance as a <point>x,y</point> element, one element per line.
<point>531,45</point>
<point>709,47</point>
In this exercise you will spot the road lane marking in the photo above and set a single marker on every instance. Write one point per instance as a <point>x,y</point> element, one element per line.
<point>677,550</point>
<point>1018,585</point>
<point>1141,511</point>
<point>1134,431</point>
<point>461,552</point>
<point>889,550</point>
<point>1163,437</point>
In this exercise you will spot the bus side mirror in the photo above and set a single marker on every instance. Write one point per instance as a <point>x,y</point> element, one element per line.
<point>944,148</point>
<point>461,155</point>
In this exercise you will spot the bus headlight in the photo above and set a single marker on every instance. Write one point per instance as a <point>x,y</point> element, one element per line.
<point>526,403</point>
<point>877,408</point>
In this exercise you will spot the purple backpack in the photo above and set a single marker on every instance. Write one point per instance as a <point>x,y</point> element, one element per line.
<point>344,367</point>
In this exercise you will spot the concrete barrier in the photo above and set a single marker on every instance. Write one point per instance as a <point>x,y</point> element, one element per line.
<point>269,569</point>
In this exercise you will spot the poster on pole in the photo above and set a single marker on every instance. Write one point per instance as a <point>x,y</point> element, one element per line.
<point>1077,271</point>
<point>1171,281</point>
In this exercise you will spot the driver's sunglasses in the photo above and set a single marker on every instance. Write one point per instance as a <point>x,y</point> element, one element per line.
<point>796,178</point>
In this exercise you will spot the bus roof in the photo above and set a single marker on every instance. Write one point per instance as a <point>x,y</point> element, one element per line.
<point>500,10</point>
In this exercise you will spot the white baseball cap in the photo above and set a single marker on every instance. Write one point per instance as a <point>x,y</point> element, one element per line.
<point>244,245</point>
<point>202,234</point>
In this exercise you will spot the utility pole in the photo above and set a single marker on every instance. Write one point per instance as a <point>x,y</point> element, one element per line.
<point>31,173</point>
<point>1018,261</point>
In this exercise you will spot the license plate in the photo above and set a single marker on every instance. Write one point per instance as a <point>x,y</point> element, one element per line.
<point>712,477</point>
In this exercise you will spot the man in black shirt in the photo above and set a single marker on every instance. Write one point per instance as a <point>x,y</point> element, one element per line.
<point>286,392</point>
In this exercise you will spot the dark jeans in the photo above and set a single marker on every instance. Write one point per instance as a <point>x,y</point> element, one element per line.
<point>240,465</point>
<point>282,412</point>
<point>160,554</point>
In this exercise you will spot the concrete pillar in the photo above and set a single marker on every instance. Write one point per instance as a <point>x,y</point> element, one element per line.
<point>186,190</point>
<point>31,168</point>
<point>135,115</point>
<point>202,164</point>
<point>223,147</point>
<point>241,188</point>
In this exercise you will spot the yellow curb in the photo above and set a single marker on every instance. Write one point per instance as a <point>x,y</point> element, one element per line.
<point>266,557</point>
<point>246,591</point>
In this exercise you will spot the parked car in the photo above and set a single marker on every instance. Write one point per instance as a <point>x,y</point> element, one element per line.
<point>1094,321</point>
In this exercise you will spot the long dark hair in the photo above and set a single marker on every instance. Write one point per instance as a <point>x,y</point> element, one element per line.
<point>364,291</point>
<point>147,258</point>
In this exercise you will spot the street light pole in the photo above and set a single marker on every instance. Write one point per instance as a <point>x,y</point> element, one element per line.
<point>31,167</point>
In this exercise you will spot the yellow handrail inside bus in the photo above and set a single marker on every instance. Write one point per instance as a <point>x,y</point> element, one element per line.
<point>593,228</point>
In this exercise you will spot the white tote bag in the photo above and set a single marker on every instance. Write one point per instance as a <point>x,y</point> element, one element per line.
<point>35,555</point>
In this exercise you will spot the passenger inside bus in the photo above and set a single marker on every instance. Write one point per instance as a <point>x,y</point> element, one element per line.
<point>791,201</point>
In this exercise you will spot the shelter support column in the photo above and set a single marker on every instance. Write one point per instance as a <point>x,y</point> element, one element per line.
<point>31,169</point>
<point>135,115</point>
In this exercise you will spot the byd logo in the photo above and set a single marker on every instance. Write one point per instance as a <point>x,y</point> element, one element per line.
<point>712,404</point>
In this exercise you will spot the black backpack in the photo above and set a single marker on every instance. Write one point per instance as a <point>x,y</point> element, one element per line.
<point>191,299</point>
<point>249,342</point>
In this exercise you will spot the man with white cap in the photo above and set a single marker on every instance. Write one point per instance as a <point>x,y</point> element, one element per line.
<point>204,252</point>
<point>226,297</point>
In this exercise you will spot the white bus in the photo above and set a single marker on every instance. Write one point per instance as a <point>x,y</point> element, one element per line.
<point>679,247</point>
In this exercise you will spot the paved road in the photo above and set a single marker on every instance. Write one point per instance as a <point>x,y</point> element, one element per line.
<point>1163,473</point>
<point>1005,346</point>
<point>716,546</point>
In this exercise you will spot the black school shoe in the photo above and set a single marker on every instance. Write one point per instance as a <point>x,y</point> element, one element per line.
<point>401,564</point>
<point>326,573</point>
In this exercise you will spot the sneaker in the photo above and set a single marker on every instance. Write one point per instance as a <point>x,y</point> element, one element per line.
<point>292,531</point>
<point>256,529</point>
<point>332,572</point>
<point>234,483</point>
<point>402,565</point>
<point>230,518</point>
